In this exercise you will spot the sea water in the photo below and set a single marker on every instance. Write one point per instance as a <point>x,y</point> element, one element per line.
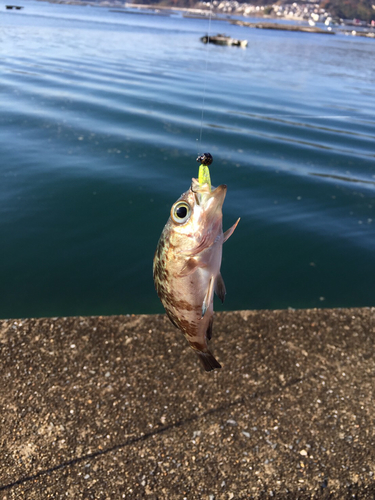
<point>100,122</point>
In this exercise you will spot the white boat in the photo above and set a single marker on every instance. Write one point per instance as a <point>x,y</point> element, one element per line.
<point>220,39</point>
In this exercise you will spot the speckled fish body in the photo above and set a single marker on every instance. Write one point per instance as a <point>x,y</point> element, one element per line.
<point>187,265</point>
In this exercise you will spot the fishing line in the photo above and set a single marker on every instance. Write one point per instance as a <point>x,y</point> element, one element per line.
<point>205,78</point>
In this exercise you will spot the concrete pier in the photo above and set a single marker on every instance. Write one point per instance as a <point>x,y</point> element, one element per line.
<point>283,27</point>
<point>119,407</point>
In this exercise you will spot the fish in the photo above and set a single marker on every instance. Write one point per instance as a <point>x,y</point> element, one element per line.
<point>186,265</point>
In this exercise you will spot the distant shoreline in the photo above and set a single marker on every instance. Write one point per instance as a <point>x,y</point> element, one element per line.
<point>156,7</point>
<point>200,13</point>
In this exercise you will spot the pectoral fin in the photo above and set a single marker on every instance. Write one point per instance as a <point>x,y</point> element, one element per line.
<point>220,287</point>
<point>208,298</point>
<point>230,231</point>
<point>204,243</point>
<point>189,267</point>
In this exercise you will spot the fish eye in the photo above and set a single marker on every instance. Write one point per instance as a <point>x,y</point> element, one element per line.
<point>180,212</point>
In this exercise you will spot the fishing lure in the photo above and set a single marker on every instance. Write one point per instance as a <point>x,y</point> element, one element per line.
<point>187,261</point>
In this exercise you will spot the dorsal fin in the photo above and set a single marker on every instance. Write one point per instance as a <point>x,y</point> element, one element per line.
<point>220,287</point>
<point>230,231</point>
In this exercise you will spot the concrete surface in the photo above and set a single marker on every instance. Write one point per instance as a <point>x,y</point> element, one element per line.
<point>119,407</point>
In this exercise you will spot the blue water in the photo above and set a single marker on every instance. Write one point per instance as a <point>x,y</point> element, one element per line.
<point>99,127</point>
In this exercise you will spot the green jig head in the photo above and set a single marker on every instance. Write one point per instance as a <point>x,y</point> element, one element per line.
<point>204,172</point>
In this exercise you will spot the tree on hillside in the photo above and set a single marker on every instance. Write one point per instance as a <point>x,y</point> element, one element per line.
<point>350,9</point>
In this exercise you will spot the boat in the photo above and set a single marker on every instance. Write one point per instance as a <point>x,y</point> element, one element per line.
<point>221,39</point>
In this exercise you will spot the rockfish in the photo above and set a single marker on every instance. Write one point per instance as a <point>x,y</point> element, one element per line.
<point>187,265</point>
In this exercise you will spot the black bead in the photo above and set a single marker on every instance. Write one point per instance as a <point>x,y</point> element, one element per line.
<point>205,159</point>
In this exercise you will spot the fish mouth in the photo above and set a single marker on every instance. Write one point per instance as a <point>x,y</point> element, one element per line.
<point>209,199</point>
<point>219,194</point>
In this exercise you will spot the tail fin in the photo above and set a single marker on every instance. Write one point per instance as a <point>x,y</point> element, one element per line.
<point>208,361</point>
